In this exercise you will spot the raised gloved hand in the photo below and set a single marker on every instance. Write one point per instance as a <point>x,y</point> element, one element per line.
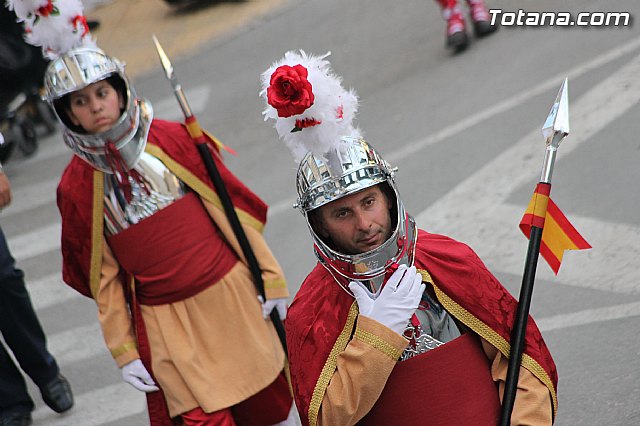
<point>363,296</point>
<point>397,301</point>
<point>279,303</point>
<point>137,376</point>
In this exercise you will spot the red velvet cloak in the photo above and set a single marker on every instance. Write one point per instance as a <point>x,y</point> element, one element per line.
<point>321,312</point>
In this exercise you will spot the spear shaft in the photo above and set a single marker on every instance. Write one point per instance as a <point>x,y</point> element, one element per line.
<point>555,129</point>
<point>195,131</point>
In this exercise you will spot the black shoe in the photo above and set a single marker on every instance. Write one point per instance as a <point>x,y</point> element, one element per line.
<point>57,394</point>
<point>17,418</point>
<point>483,28</point>
<point>458,41</point>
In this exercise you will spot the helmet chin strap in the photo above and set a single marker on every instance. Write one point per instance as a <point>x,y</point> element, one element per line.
<point>123,175</point>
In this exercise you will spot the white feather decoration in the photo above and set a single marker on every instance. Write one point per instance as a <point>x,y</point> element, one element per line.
<point>56,26</point>
<point>331,114</point>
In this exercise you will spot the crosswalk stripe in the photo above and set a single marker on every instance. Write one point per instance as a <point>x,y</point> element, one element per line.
<point>591,113</point>
<point>77,344</point>
<point>502,246</point>
<point>32,196</point>
<point>589,316</point>
<point>36,242</point>
<point>98,407</point>
<point>50,291</point>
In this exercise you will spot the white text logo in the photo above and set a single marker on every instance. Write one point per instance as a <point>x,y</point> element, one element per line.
<point>538,19</point>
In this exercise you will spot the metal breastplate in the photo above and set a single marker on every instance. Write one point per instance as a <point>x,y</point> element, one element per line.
<point>435,329</point>
<point>163,186</point>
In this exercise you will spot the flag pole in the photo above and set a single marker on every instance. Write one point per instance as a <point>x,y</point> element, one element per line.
<point>196,133</point>
<point>555,129</point>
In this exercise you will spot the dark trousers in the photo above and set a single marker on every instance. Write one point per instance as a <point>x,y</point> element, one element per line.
<point>23,334</point>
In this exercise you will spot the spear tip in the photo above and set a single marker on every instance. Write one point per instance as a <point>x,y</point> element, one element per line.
<point>558,119</point>
<point>164,59</point>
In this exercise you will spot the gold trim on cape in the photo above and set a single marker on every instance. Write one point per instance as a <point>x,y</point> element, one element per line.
<point>200,187</point>
<point>330,365</point>
<point>378,343</point>
<point>97,232</point>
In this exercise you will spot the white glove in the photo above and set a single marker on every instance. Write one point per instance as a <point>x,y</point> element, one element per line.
<point>280,304</point>
<point>397,301</point>
<point>363,296</point>
<point>137,376</point>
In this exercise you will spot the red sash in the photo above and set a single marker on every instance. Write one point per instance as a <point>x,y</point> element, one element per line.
<point>449,385</point>
<point>173,254</point>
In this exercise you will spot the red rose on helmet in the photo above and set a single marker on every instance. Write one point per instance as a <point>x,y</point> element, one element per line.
<point>290,93</point>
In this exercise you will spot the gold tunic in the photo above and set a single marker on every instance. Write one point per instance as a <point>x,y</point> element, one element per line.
<point>212,350</point>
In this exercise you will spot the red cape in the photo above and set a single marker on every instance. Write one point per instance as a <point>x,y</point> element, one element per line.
<point>318,314</point>
<point>79,194</point>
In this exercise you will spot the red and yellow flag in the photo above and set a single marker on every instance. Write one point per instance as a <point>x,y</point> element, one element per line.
<point>558,233</point>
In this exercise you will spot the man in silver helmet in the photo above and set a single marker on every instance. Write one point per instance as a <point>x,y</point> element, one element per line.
<point>394,325</point>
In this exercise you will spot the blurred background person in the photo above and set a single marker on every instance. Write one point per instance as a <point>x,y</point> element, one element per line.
<point>456,34</point>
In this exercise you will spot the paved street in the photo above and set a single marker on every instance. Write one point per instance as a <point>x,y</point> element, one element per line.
<point>465,133</point>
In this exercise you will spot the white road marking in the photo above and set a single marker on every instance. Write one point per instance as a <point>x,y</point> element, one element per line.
<point>514,101</point>
<point>469,212</point>
<point>589,316</point>
<point>36,242</point>
<point>77,344</point>
<point>32,196</point>
<point>50,291</point>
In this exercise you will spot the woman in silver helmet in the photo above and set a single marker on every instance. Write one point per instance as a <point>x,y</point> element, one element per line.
<point>394,325</point>
<point>144,234</point>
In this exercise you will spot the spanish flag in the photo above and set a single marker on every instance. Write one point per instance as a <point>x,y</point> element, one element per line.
<point>558,234</point>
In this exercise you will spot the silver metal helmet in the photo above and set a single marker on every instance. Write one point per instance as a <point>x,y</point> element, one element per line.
<point>353,165</point>
<point>76,70</point>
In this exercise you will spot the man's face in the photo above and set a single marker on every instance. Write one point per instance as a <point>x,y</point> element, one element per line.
<point>356,223</point>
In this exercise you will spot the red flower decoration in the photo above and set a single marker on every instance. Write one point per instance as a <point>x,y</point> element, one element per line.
<point>289,92</point>
<point>46,10</point>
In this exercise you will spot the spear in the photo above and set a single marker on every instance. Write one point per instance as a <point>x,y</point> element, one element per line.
<point>195,131</point>
<point>554,130</point>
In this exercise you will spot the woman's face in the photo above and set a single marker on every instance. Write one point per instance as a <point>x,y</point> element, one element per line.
<point>96,108</point>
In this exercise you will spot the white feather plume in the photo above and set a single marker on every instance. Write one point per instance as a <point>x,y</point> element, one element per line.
<point>56,26</point>
<point>334,107</point>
